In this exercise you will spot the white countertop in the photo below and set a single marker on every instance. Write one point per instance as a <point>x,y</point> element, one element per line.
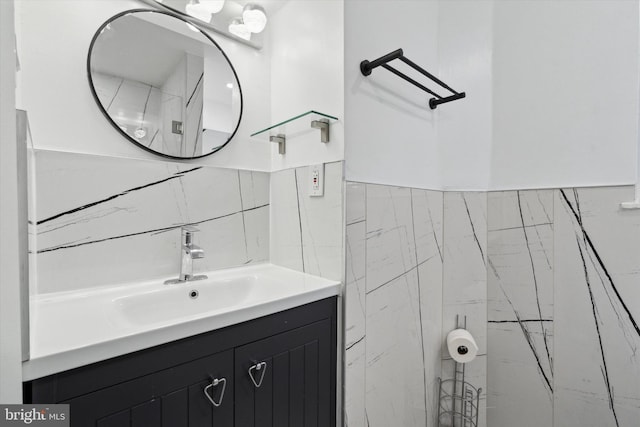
<point>73,329</point>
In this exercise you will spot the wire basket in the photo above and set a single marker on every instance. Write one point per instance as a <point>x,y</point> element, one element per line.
<point>458,404</point>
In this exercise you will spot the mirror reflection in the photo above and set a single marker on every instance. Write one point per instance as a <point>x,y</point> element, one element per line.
<point>164,84</point>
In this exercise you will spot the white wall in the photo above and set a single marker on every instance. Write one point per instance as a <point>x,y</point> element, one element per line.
<point>307,74</point>
<point>552,94</point>
<point>53,84</point>
<point>10,347</point>
<point>390,130</point>
<point>464,62</point>
<point>565,84</point>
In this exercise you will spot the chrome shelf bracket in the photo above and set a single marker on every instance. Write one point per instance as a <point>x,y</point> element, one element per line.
<point>281,139</point>
<point>323,125</point>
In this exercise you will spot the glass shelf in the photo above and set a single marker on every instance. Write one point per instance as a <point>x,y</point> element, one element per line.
<point>280,132</point>
<point>293,126</point>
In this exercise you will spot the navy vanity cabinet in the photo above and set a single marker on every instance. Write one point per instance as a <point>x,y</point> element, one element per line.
<point>164,386</point>
<point>171,397</point>
<point>285,380</point>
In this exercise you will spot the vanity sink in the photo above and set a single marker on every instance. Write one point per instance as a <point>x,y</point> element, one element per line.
<point>73,329</point>
<point>183,300</point>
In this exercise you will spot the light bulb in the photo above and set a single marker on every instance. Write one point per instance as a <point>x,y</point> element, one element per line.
<point>238,28</point>
<point>212,6</point>
<point>254,17</point>
<point>198,11</point>
<point>140,133</point>
<point>230,85</point>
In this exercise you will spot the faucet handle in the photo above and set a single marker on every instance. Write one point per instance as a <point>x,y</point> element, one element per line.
<point>187,234</point>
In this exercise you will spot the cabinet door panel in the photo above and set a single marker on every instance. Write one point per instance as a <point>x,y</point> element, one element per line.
<point>311,384</point>
<point>147,414</point>
<point>180,388</point>
<point>296,386</point>
<point>281,390</point>
<point>116,420</point>
<point>200,409</point>
<point>264,399</point>
<point>296,390</point>
<point>175,408</point>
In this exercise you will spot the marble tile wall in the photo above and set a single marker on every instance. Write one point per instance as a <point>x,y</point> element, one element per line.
<point>464,296</point>
<point>520,308</point>
<point>103,220</point>
<point>307,232</point>
<point>548,280</point>
<point>564,304</point>
<point>597,308</point>
<point>355,303</point>
<point>394,244</point>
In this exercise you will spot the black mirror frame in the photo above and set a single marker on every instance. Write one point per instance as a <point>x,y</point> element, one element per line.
<point>108,117</point>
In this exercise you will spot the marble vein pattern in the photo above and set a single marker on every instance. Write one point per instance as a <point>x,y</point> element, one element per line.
<point>465,283</point>
<point>355,305</point>
<point>520,308</point>
<point>597,308</point>
<point>548,280</point>
<point>393,305</point>
<point>307,232</point>
<point>428,225</point>
<point>356,265</point>
<point>395,386</point>
<point>97,213</point>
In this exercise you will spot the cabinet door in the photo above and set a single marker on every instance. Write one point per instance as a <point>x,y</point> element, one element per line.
<point>172,397</point>
<point>287,380</point>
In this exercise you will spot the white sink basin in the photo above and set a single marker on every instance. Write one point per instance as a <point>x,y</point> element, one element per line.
<point>73,329</point>
<point>184,300</point>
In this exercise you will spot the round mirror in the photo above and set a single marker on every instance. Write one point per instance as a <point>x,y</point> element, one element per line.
<point>164,84</point>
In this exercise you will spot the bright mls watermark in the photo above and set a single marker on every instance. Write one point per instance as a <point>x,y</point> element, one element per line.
<point>34,415</point>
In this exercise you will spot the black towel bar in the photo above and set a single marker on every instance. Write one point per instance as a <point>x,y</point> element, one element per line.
<point>367,66</point>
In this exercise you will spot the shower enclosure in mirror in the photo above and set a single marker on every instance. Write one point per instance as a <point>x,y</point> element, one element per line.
<point>164,84</point>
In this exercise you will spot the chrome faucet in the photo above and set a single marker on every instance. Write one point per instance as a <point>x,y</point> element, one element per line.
<point>189,251</point>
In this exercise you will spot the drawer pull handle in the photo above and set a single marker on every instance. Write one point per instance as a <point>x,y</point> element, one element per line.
<point>216,382</point>
<point>260,369</point>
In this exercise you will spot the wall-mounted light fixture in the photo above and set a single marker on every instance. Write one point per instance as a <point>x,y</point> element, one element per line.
<point>238,28</point>
<point>213,6</point>
<point>203,9</point>
<point>198,10</point>
<point>217,16</point>
<point>254,17</point>
<point>140,133</point>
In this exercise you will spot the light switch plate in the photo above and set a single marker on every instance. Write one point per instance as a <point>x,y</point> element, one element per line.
<point>316,180</point>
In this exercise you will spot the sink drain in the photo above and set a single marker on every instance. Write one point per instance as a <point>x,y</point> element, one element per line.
<point>193,294</point>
